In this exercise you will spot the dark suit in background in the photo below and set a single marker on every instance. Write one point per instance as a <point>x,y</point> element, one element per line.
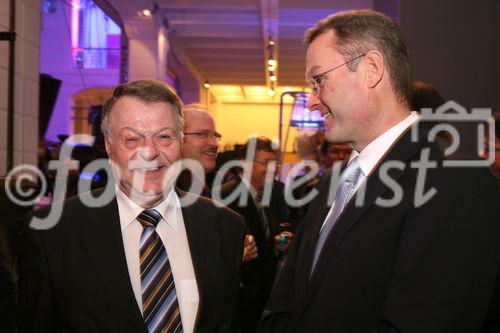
<point>11,225</point>
<point>7,300</point>
<point>398,269</point>
<point>258,275</point>
<point>74,277</point>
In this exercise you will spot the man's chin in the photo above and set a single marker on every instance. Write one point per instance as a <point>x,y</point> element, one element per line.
<point>333,138</point>
<point>208,166</point>
<point>148,197</point>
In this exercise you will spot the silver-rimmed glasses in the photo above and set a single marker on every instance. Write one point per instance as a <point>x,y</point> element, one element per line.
<point>206,134</point>
<point>318,81</point>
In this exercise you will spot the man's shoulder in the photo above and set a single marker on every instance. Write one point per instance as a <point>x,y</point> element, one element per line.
<point>209,209</point>
<point>74,210</point>
<point>228,187</point>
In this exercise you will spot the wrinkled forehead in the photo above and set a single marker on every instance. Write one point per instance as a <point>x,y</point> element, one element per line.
<point>133,112</point>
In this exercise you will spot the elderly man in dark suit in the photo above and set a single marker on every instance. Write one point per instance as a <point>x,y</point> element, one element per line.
<point>140,262</point>
<point>402,244</point>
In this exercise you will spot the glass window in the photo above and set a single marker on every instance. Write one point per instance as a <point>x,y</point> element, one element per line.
<point>95,37</point>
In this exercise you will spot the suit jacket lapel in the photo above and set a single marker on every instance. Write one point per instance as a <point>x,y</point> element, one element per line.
<point>103,241</point>
<point>317,216</point>
<point>403,150</point>
<point>204,245</point>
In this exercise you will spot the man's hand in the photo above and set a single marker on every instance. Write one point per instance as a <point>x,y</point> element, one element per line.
<point>280,245</point>
<point>250,250</point>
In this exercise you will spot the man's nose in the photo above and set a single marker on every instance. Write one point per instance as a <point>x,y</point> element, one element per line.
<point>149,151</point>
<point>313,102</point>
<point>213,141</point>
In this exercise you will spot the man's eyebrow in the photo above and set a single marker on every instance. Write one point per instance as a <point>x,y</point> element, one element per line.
<point>164,129</point>
<point>140,133</point>
<point>130,129</point>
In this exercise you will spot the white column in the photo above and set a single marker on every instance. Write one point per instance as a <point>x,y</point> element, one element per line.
<point>27,64</point>
<point>148,54</point>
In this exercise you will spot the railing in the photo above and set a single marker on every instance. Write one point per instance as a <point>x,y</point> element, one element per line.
<point>93,57</point>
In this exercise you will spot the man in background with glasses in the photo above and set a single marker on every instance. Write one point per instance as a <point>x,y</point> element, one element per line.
<point>201,143</point>
<point>371,255</point>
<point>201,140</point>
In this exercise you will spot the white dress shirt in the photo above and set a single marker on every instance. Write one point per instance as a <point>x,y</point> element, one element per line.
<point>374,152</point>
<point>173,235</point>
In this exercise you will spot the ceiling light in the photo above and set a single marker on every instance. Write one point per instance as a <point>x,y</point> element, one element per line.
<point>272,77</point>
<point>272,93</point>
<point>206,85</point>
<point>149,11</point>
<point>272,62</point>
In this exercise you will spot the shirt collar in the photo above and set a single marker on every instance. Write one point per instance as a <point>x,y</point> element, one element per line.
<point>375,150</point>
<point>129,210</point>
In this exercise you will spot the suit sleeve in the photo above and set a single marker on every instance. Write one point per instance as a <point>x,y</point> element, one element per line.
<point>36,310</point>
<point>236,323</point>
<point>446,262</point>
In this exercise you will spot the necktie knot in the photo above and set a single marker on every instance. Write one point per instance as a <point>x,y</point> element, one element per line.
<point>352,172</point>
<point>149,218</point>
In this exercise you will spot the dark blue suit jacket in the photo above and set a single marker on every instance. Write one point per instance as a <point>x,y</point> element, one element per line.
<point>406,268</point>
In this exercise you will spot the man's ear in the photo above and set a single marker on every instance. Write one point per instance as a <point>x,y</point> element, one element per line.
<point>374,68</point>
<point>106,144</point>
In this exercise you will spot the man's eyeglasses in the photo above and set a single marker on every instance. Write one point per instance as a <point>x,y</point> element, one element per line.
<point>206,135</point>
<point>318,81</point>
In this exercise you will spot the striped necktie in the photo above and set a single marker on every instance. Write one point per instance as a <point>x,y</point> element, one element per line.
<point>160,307</point>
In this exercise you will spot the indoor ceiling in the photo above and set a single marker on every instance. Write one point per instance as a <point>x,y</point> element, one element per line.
<point>225,40</point>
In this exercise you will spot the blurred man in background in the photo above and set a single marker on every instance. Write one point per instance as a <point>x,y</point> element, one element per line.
<point>263,216</point>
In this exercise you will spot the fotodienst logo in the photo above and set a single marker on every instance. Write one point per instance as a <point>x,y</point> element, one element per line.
<point>444,119</point>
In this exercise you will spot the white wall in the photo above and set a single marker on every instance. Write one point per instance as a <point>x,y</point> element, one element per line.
<point>26,82</point>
